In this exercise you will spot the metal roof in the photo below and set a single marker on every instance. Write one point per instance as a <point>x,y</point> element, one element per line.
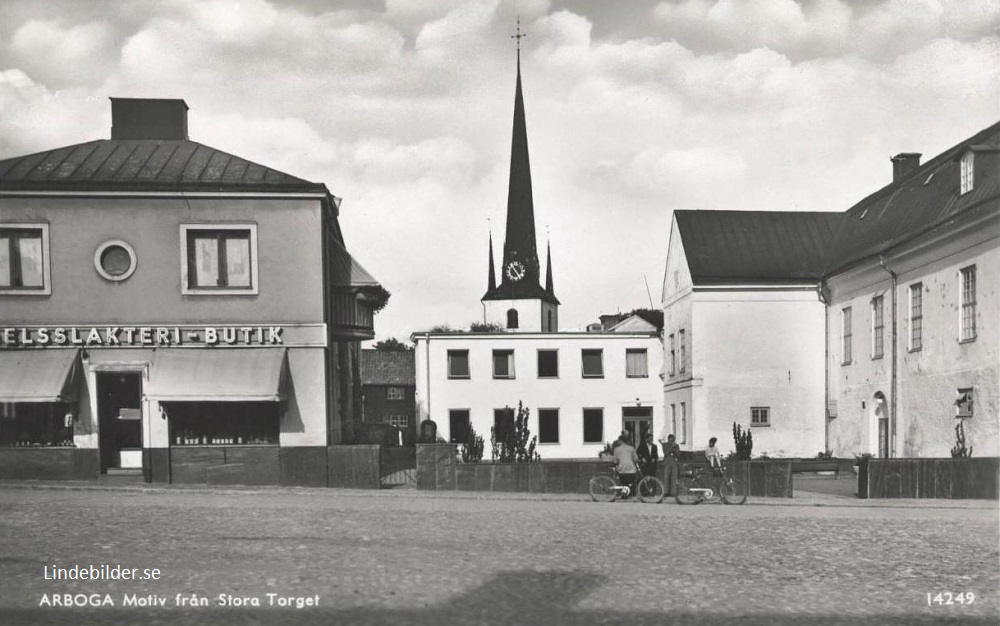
<point>765,246</point>
<point>388,367</point>
<point>144,165</point>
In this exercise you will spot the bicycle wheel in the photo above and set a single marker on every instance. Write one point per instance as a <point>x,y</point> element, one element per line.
<point>684,493</point>
<point>651,490</point>
<point>602,489</point>
<point>732,491</point>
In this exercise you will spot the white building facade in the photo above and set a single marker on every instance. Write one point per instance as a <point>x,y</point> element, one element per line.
<point>582,389</point>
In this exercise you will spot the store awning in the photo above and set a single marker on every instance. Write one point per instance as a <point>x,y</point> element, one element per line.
<point>218,375</point>
<point>39,375</point>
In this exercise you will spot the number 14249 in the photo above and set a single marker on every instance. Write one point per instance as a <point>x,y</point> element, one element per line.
<point>946,598</point>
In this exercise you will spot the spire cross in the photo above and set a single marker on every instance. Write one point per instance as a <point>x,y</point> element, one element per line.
<point>519,36</point>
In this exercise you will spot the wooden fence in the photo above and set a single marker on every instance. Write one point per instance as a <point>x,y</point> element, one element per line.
<point>977,479</point>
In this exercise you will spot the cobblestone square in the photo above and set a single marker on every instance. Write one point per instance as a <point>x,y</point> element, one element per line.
<point>419,558</point>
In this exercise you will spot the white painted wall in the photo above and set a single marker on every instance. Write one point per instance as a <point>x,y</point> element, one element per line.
<point>929,378</point>
<point>570,392</point>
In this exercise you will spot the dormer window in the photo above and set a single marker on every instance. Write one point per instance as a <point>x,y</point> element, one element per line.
<point>968,172</point>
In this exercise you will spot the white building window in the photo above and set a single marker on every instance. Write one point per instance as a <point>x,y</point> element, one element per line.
<point>458,364</point>
<point>682,435</point>
<point>968,302</point>
<point>636,363</point>
<point>503,364</point>
<point>878,327</point>
<point>916,317</point>
<point>683,349</point>
<point>673,356</point>
<point>593,426</point>
<point>548,364</point>
<point>846,349</point>
<point>395,393</point>
<point>24,259</point>
<point>219,259</point>
<point>459,425</point>
<point>968,172</point>
<point>760,416</point>
<point>963,403</point>
<point>593,363</point>
<point>548,425</point>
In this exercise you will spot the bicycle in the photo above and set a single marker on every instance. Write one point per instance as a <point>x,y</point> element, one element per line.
<point>604,488</point>
<point>691,487</point>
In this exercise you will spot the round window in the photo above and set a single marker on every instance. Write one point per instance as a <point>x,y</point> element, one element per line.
<point>115,260</point>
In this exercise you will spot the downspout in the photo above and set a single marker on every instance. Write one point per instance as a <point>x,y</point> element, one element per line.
<point>894,382</point>
<point>826,361</point>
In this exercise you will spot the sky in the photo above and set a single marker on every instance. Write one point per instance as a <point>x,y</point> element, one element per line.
<point>403,108</point>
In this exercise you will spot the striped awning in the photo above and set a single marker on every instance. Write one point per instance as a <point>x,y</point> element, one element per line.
<point>39,375</point>
<point>218,375</point>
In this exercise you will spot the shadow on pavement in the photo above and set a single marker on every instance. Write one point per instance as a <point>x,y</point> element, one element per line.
<point>514,598</point>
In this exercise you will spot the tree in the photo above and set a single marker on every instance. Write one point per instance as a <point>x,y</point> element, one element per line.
<point>486,327</point>
<point>510,437</point>
<point>743,440</point>
<point>472,451</point>
<point>392,345</point>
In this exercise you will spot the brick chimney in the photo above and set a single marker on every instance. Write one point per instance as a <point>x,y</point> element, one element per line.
<point>146,118</point>
<point>903,164</point>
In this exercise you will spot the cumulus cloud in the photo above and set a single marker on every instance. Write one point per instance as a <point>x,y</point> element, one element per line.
<point>66,55</point>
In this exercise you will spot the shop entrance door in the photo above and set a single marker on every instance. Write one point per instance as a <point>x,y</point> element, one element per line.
<point>637,421</point>
<point>119,408</point>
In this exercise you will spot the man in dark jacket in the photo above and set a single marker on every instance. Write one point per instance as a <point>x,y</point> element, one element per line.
<point>648,455</point>
<point>670,453</point>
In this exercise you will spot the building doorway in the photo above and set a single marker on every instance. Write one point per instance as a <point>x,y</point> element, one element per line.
<point>881,417</point>
<point>119,410</point>
<point>637,421</point>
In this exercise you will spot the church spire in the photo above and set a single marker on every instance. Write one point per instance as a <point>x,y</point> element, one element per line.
<point>492,283</point>
<point>549,289</point>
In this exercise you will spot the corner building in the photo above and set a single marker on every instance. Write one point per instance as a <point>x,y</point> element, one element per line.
<point>171,309</point>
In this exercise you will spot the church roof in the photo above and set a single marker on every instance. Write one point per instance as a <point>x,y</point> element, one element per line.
<point>144,165</point>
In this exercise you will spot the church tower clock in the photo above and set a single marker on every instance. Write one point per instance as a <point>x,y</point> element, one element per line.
<point>519,302</point>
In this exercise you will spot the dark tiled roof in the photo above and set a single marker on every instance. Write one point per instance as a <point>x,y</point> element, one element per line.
<point>388,367</point>
<point>766,246</point>
<point>144,165</point>
<point>922,201</point>
<point>784,246</point>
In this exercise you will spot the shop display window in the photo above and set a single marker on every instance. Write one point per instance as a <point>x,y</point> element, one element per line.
<point>26,424</point>
<point>223,423</point>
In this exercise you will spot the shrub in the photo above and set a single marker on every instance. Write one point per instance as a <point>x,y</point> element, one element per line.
<point>510,437</point>
<point>472,451</point>
<point>825,455</point>
<point>744,442</point>
<point>959,451</point>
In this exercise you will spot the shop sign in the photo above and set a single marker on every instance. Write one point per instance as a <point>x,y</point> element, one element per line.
<point>128,336</point>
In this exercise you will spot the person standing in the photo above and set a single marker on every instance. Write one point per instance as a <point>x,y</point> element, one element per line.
<point>626,463</point>
<point>671,451</point>
<point>648,455</point>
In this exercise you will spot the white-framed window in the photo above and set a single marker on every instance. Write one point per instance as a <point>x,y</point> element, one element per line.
<point>24,259</point>
<point>458,364</point>
<point>593,425</point>
<point>395,393</point>
<point>916,317</point>
<point>548,426</point>
<point>968,181</point>
<point>219,259</point>
<point>963,403</point>
<point>399,421</point>
<point>593,363</point>
<point>503,364</point>
<point>673,419</point>
<point>683,350</point>
<point>115,260</point>
<point>878,327</point>
<point>968,304</point>
<point>459,425</point>
<point>673,356</point>
<point>548,364</point>
<point>846,355</point>
<point>760,416</point>
<point>682,435</point>
<point>636,365</point>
